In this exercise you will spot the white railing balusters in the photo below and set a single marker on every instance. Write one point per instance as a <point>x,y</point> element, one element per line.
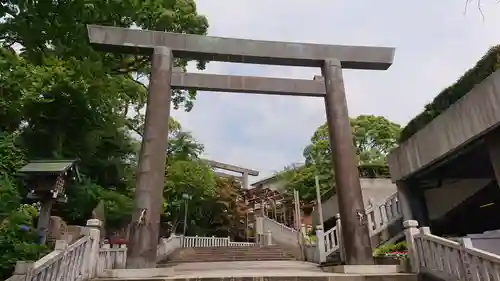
<point>381,216</point>
<point>111,257</point>
<point>200,242</point>
<point>447,259</point>
<point>280,232</point>
<point>80,261</point>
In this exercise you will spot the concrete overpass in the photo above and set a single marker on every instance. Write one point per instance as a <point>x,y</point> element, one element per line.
<point>452,158</point>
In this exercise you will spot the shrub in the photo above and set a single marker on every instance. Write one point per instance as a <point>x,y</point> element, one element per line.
<point>390,248</point>
<point>488,64</point>
<point>19,239</point>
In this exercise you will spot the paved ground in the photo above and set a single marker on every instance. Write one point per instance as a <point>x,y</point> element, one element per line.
<point>228,270</point>
<point>247,265</point>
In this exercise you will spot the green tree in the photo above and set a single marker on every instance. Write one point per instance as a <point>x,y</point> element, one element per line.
<point>227,210</point>
<point>18,239</point>
<point>11,155</point>
<point>60,98</point>
<point>196,179</point>
<point>373,138</point>
<point>10,197</point>
<point>75,101</point>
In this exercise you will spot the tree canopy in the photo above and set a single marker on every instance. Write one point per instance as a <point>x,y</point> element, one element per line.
<point>60,98</point>
<point>373,138</point>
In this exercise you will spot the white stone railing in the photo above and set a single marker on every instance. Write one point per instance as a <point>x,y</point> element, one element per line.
<point>447,259</point>
<point>75,262</point>
<point>241,244</point>
<point>329,241</point>
<point>167,246</point>
<point>198,241</point>
<point>280,232</point>
<point>382,215</point>
<point>114,257</point>
<point>379,218</point>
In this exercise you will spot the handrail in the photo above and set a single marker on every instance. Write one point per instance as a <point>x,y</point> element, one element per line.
<point>82,260</point>
<point>283,226</point>
<point>447,259</point>
<point>379,217</point>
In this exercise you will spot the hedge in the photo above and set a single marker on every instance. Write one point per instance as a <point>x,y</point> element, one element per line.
<point>488,64</point>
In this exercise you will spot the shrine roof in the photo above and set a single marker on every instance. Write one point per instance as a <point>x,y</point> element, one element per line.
<point>47,166</point>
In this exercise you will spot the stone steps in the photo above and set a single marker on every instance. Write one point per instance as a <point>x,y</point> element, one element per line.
<point>220,254</point>
<point>248,271</point>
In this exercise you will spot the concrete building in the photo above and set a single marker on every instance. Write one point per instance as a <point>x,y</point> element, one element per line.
<point>447,173</point>
<point>375,191</point>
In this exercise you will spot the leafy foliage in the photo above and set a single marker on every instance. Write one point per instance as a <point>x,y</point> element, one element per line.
<point>373,138</point>
<point>390,248</point>
<point>18,239</point>
<point>60,98</point>
<point>488,64</point>
<point>193,178</point>
<point>10,197</point>
<point>229,214</point>
<point>11,155</point>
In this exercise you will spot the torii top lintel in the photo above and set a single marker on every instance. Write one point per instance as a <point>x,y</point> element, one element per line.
<point>118,39</point>
<point>232,168</point>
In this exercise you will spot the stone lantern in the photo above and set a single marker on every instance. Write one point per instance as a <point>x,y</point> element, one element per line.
<point>46,181</point>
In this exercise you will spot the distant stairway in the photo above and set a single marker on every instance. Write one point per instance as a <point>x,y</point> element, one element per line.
<point>384,224</point>
<point>222,254</point>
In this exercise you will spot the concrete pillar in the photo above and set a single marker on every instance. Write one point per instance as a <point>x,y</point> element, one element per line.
<point>411,230</point>
<point>493,146</point>
<point>94,228</point>
<point>320,236</point>
<point>245,180</point>
<point>412,202</point>
<point>145,224</point>
<point>355,233</point>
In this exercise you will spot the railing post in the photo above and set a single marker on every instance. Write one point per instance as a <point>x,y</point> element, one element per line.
<point>320,238</point>
<point>259,228</point>
<point>24,268</point>
<point>340,238</point>
<point>410,230</point>
<point>268,238</point>
<point>94,226</point>
<point>466,243</point>
<point>62,246</point>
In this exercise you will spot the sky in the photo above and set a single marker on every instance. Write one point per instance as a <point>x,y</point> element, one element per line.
<point>435,41</point>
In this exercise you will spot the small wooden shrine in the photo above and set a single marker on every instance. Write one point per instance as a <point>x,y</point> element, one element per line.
<point>46,181</point>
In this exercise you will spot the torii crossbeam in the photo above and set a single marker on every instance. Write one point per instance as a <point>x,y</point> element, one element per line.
<point>165,46</point>
<point>228,167</point>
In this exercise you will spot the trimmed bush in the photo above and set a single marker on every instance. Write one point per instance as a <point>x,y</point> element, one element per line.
<point>390,248</point>
<point>488,64</point>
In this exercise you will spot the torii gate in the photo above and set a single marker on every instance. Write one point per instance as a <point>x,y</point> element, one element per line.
<point>243,171</point>
<point>165,46</point>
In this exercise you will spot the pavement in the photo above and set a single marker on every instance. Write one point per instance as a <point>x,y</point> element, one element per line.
<point>234,270</point>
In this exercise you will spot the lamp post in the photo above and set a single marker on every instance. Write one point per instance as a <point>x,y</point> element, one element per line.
<point>186,198</point>
<point>318,194</point>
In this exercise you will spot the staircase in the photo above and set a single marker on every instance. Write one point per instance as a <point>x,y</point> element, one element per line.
<point>222,254</point>
<point>384,224</point>
<point>217,258</point>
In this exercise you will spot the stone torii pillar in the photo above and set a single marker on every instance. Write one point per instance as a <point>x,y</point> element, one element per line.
<point>330,58</point>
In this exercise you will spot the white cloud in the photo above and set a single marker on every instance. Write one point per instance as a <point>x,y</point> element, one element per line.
<point>436,42</point>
